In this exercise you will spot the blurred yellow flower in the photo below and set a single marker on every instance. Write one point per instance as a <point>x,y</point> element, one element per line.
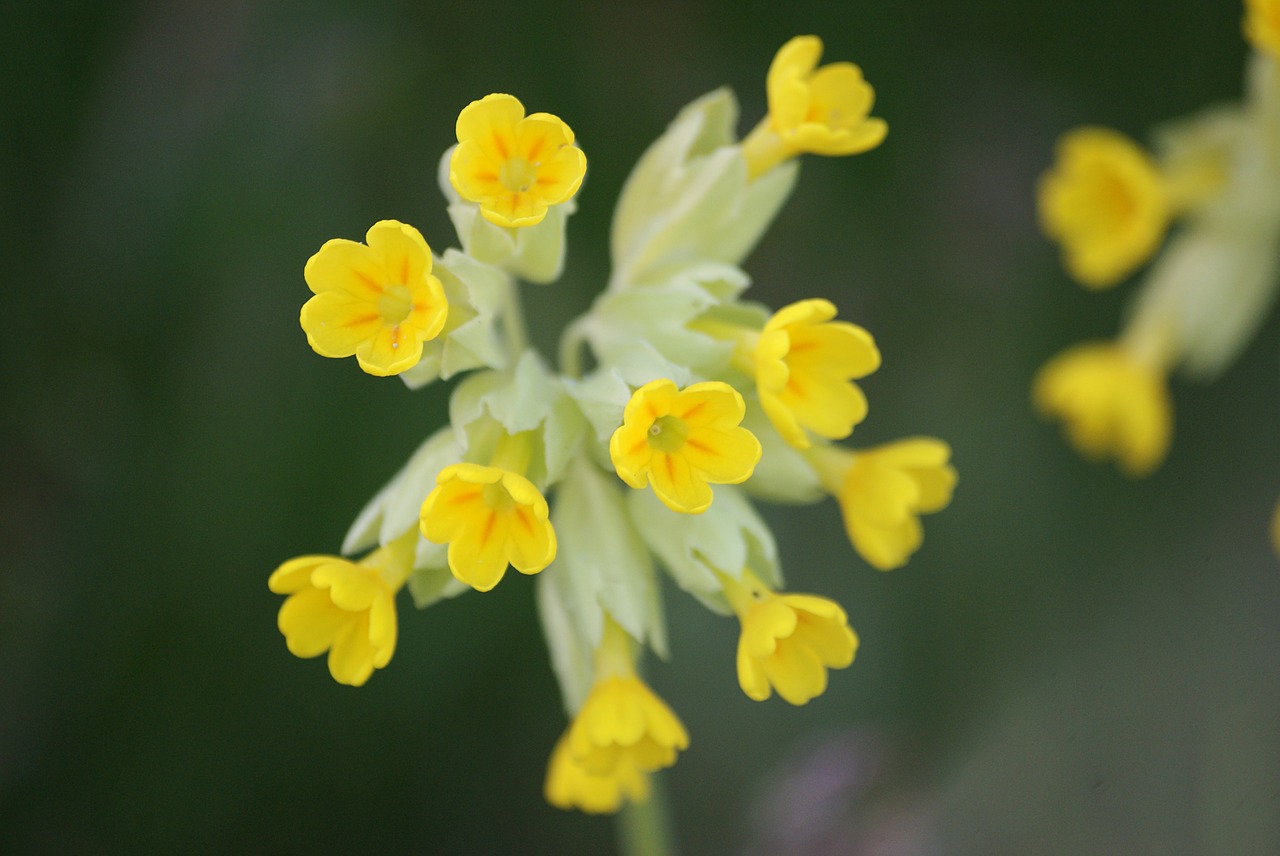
<point>1262,25</point>
<point>682,441</point>
<point>1112,404</point>
<point>378,301</point>
<point>1104,200</point>
<point>514,166</point>
<point>570,785</point>
<point>788,641</point>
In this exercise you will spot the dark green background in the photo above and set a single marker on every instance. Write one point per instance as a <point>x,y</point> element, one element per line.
<point>1074,664</point>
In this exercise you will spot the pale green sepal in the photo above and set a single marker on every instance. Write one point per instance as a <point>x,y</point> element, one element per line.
<point>688,198</point>
<point>533,253</point>
<point>395,508</point>
<point>570,655</point>
<point>433,583</point>
<point>601,396</point>
<point>528,398</point>
<point>602,565</point>
<point>475,292</point>
<point>783,473</point>
<point>727,537</point>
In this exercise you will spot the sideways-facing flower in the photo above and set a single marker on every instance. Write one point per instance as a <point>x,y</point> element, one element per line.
<point>788,641</point>
<point>824,111</point>
<point>570,785</point>
<point>683,441</point>
<point>882,492</point>
<point>1262,25</point>
<point>1112,404</point>
<point>490,518</point>
<point>804,366</point>
<point>512,165</point>
<point>376,300</point>
<point>346,608</point>
<point>1104,200</point>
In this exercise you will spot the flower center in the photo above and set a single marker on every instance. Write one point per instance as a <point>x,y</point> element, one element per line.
<point>518,174</point>
<point>394,304</point>
<point>668,433</point>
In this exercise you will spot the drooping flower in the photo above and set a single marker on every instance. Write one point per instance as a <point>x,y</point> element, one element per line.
<point>1104,200</point>
<point>346,608</point>
<point>1112,404</point>
<point>491,518</point>
<point>805,364</point>
<point>512,165</point>
<point>823,111</point>
<point>1262,25</point>
<point>882,492</point>
<point>683,441</point>
<point>788,641</point>
<point>570,785</point>
<point>378,300</point>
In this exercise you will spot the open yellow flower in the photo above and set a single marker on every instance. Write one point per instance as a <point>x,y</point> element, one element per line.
<point>682,441</point>
<point>823,111</point>
<point>514,166</point>
<point>343,607</point>
<point>1105,201</point>
<point>882,492</point>
<point>491,518</point>
<point>1262,25</point>
<point>1112,404</point>
<point>804,367</point>
<point>788,641</point>
<point>377,300</point>
<point>571,785</point>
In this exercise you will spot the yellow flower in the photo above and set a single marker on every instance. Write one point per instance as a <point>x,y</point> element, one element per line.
<point>681,441</point>
<point>570,785</point>
<point>822,111</point>
<point>514,166</point>
<point>882,492</point>
<point>1262,25</point>
<point>1111,403</point>
<point>490,517</point>
<point>804,365</point>
<point>344,607</point>
<point>1105,201</point>
<point>378,301</point>
<point>788,641</point>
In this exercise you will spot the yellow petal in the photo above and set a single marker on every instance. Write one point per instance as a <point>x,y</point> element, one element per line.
<point>402,249</point>
<point>676,485</point>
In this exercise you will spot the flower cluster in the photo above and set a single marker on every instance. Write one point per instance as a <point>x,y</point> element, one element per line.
<point>1214,178</point>
<point>695,401</point>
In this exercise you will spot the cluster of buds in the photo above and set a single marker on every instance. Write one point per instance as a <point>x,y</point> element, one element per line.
<point>693,401</point>
<point>1110,203</point>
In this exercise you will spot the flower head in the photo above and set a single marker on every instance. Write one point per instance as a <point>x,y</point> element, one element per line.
<point>1111,403</point>
<point>376,300</point>
<point>1262,25</point>
<point>514,166</point>
<point>683,441</point>
<point>882,492</point>
<point>823,111</point>
<point>490,518</point>
<point>1105,201</point>
<point>624,726</point>
<point>343,607</point>
<point>571,785</point>
<point>804,366</point>
<point>788,641</point>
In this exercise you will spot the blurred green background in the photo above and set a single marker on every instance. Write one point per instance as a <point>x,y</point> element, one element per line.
<point>1074,664</point>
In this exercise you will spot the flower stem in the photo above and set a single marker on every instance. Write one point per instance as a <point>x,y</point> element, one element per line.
<point>513,321</point>
<point>644,829</point>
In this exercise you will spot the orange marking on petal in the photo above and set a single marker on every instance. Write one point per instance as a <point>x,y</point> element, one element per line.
<point>700,446</point>
<point>486,176</point>
<point>522,517</point>
<point>697,408</point>
<point>670,467</point>
<point>638,447</point>
<point>487,529</point>
<point>361,319</point>
<point>463,496</point>
<point>500,146</point>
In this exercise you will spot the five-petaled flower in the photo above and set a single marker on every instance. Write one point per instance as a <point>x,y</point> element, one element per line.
<point>376,300</point>
<point>1112,404</point>
<point>682,441</point>
<point>570,785</point>
<point>882,492</point>
<point>1105,201</point>
<point>490,518</point>
<point>824,111</point>
<point>514,166</point>
<point>346,608</point>
<point>788,641</point>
